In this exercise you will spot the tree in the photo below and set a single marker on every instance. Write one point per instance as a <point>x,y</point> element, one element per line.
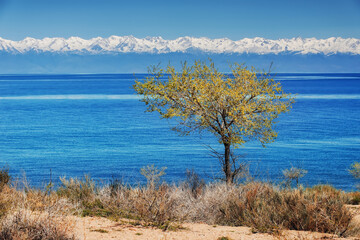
<point>236,108</point>
<point>294,173</point>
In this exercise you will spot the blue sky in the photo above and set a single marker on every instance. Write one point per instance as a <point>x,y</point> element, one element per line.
<point>171,19</point>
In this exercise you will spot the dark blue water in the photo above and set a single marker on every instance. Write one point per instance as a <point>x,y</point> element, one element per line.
<point>94,124</point>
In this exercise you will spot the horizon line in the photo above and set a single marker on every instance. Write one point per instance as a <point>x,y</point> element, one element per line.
<point>171,39</point>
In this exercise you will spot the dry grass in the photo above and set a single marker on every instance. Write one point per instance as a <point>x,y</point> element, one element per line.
<point>31,226</point>
<point>42,214</point>
<point>264,207</point>
<point>33,214</point>
<point>353,198</point>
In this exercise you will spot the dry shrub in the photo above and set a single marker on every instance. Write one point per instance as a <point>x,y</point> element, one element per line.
<point>194,183</point>
<point>78,190</point>
<point>258,205</point>
<point>26,225</point>
<point>87,198</point>
<point>149,205</point>
<point>266,208</point>
<point>30,213</point>
<point>8,195</point>
<point>40,201</point>
<point>207,206</point>
<point>327,190</point>
<point>261,206</point>
<point>155,205</point>
<point>4,177</point>
<point>113,203</point>
<point>9,199</point>
<point>152,204</point>
<point>353,198</point>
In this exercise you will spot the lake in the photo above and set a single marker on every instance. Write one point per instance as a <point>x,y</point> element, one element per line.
<point>71,125</point>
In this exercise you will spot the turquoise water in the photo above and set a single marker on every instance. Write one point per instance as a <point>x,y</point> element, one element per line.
<point>95,124</point>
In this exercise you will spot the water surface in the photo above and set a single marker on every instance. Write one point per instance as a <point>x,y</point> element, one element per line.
<point>95,124</point>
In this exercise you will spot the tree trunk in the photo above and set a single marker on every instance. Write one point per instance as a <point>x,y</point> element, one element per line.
<point>227,167</point>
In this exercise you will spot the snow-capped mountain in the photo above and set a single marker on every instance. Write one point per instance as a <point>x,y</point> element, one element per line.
<point>158,45</point>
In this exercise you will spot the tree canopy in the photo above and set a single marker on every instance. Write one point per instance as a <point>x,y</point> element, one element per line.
<point>236,107</point>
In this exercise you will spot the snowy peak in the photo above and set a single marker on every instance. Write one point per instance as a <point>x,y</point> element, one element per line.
<point>157,45</point>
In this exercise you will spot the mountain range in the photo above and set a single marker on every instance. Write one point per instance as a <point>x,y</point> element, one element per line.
<point>127,54</point>
<point>158,45</point>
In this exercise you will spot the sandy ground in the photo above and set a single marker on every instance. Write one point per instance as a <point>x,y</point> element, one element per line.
<point>95,228</point>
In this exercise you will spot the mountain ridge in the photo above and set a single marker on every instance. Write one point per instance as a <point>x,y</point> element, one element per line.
<point>158,45</point>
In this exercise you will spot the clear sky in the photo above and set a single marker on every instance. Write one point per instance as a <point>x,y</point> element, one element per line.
<point>234,19</point>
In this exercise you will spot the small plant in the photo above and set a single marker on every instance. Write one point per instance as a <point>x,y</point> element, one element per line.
<point>224,238</point>
<point>115,185</point>
<point>100,230</point>
<point>355,171</point>
<point>155,206</point>
<point>292,174</point>
<point>194,183</point>
<point>77,190</point>
<point>152,174</point>
<point>96,208</point>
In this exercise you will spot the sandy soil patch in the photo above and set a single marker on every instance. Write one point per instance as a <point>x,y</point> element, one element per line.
<point>96,228</point>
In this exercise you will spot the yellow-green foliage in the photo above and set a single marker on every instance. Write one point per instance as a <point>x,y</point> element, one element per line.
<point>235,108</point>
<point>355,170</point>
